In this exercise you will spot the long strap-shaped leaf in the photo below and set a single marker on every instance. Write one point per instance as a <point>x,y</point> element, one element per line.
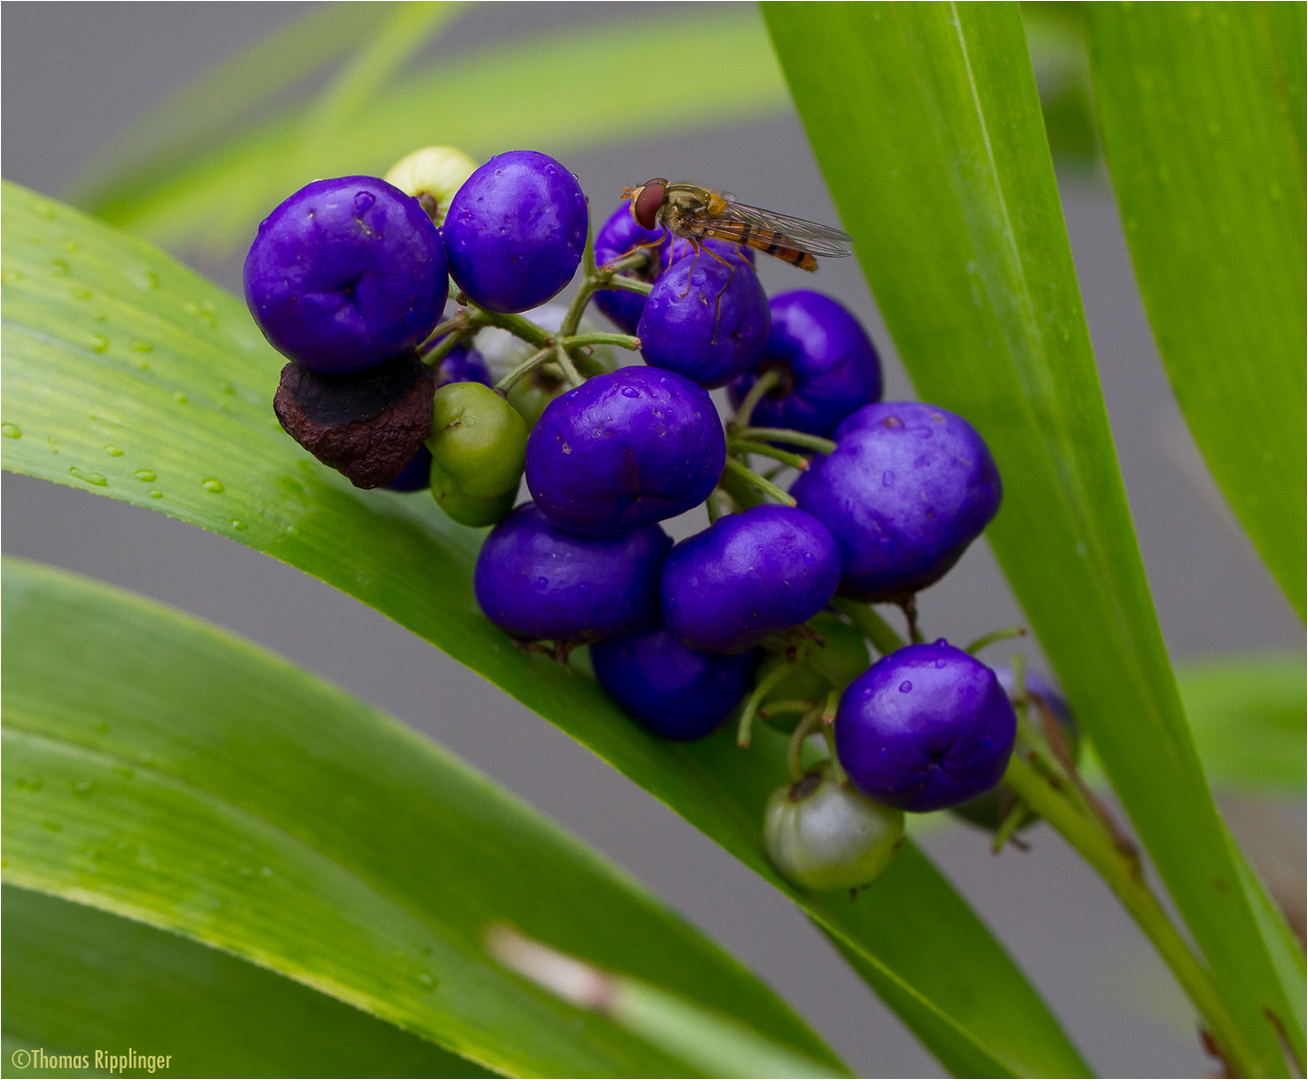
<point>128,375</point>
<point>926,123</point>
<point>164,770</point>
<point>1200,135</point>
<point>82,979</point>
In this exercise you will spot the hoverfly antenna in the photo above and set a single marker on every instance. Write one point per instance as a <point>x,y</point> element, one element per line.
<point>646,201</point>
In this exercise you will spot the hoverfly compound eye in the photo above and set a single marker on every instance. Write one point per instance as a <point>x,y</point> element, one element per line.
<point>649,197</point>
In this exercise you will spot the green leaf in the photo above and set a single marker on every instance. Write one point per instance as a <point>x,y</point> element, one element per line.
<point>926,123</point>
<point>1056,39</point>
<point>81,979</point>
<point>1248,715</point>
<point>1207,161</point>
<point>184,778</point>
<point>487,100</point>
<point>128,375</point>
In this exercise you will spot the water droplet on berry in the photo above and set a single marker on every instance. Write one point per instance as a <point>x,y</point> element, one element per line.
<point>213,487</point>
<point>809,558</point>
<point>10,431</point>
<point>940,663</point>
<point>887,479</point>
<point>630,391</point>
<point>567,449</point>
<point>363,201</point>
<point>584,587</point>
<point>90,477</point>
<point>905,687</point>
<point>542,582</point>
<point>892,422</point>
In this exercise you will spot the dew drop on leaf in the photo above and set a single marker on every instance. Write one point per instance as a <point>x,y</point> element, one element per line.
<point>145,476</point>
<point>10,431</point>
<point>90,477</point>
<point>113,451</point>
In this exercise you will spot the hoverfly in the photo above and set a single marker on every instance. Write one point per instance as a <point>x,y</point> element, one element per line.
<point>696,213</point>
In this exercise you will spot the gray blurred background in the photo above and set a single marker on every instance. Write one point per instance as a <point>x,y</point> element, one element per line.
<point>75,75</point>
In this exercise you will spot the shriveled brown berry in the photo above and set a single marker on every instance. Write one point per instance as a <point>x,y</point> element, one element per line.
<point>367,425</point>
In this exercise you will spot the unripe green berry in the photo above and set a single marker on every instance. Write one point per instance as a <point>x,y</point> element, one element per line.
<point>432,174</point>
<point>820,835</point>
<point>467,509</point>
<point>478,439</point>
<point>530,395</point>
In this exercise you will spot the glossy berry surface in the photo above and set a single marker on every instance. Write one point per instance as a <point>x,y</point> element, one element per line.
<point>346,274</point>
<point>907,489</point>
<point>925,728</point>
<point>827,362</point>
<point>629,448</point>
<point>715,331</point>
<point>471,510</point>
<point>988,810</point>
<point>820,835</point>
<point>725,589</point>
<point>515,231</point>
<point>534,580</point>
<point>621,235</point>
<point>674,691</point>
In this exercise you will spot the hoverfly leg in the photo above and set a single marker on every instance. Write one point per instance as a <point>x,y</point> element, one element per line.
<point>699,250</point>
<point>717,311</point>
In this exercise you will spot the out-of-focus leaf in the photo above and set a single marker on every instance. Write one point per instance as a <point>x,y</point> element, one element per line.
<point>184,778</point>
<point>1206,157</point>
<point>1056,39</point>
<point>81,979</point>
<point>534,93</point>
<point>189,121</point>
<point>128,375</point>
<point>926,123</point>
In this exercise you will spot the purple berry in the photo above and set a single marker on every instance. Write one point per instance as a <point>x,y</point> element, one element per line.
<point>416,475</point>
<point>907,489</point>
<point>621,235</point>
<point>672,690</point>
<point>725,589</point>
<point>925,728</point>
<point>715,331</point>
<point>515,231</point>
<point>629,448</point>
<point>463,364</point>
<point>828,365</point>
<point>534,580</point>
<point>346,274</point>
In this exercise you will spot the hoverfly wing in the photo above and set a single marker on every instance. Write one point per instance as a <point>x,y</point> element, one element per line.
<point>791,232</point>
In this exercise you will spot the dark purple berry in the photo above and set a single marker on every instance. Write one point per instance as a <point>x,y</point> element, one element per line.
<point>346,274</point>
<point>629,448</point>
<point>368,425</point>
<point>674,691</point>
<point>463,363</point>
<point>925,728</point>
<point>827,364</point>
<point>907,489</point>
<point>534,580</point>
<point>710,330</point>
<point>620,236</point>
<point>515,231</point>
<point>725,589</point>
<point>416,475</point>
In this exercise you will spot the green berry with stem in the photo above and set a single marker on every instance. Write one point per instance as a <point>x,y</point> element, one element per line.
<point>478,440</point>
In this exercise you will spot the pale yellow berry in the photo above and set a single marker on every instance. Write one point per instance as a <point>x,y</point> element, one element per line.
<point>432,174</point>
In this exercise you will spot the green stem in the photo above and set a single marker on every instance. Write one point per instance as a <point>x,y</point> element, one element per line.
<point>1047,796</point>
<point>765,486</point>
<point>872,626</point>
<point>795,749</point>
<point>580,341</point>
<point>756,699</point>
<point>785,435</point>
<point>454,322</point>
<point>515,325</point>
<point>586,290</point>
<point>767,381</point>
<point>569,369</point>
<point>524,369</point>
<point>995,635</point>
<point>444,347</point>
<point>628,285</point>
<point>743,446</point>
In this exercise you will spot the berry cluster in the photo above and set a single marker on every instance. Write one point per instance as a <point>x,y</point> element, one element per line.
<point>761,615</point>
